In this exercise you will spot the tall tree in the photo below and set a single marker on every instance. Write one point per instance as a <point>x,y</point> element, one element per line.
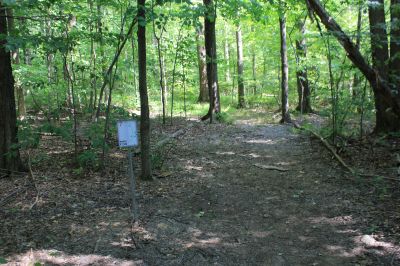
<point>253,64</point>
<point>201,58</point>
<point>9,153</point>
<point>394,63</point>
<point>379,41</point>
<point>239,44</point>
<point>388,119</point>
<point>284,68</point>
<point>303,88</point>
<point>144,101</point>
<point>104,73</point>
<point>158,39</point>
<point>356,78</point>
<point>210,17</point>
<point>19,90</point>
<point>227,56</point>
<point>380,57</point>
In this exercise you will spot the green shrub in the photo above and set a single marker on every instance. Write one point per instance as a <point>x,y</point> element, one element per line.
<point>87,159</point>
<point>64,130</point>
<point>28,136</point>
<point>224,118</point>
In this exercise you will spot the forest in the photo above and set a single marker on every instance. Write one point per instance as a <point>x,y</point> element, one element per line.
<point>267,132</point>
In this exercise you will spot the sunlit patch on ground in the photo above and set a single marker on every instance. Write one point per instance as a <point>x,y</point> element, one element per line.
<point>55,257</point>
<point>261,141</point>
<point>216,207</point>
<point>339,220</point>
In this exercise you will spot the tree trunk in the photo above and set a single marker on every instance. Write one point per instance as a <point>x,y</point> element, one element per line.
<point>379,41</point>
<point>253,64</point>
<point>201,58</point>
<point>380,57</point>
<point>93,76</point>
<point>254,71</point>
<point>394,63</point>
<point>211,53</point>
<point>162,77</point>
<point>49,56</point>
<point>356,78</point>
<point>177,50</point>
<point>303,88</point>
<point>382,91</point>
<point>9,153</point>
<point>285,72</point>
<point>227,57</point>
<point>102,58</point>
<point>239,43</point>
<point>19,90</point>
<point>134,69</point>
<point>144,101</point>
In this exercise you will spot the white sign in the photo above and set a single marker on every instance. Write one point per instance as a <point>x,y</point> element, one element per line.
<point>127,134</point>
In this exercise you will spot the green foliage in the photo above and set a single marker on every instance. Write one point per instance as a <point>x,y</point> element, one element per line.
<point>95,134</point>
<point>44,44</point>
<point>88,159</point>
<point>224,118</point>
<point>41,157</point>
<point>157,160</point>
<point>28,136</point>
<point>159,155</point>
<point>64,129</point>
<point>3,260</point>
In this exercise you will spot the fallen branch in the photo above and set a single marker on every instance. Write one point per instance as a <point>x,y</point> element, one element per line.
<point>379,176</point>
<point>31,178</point>
<point>5,200</point>
<point>176,134</point>
<point>332,150</point>
<point>338,158</point>
<point>270,167</point>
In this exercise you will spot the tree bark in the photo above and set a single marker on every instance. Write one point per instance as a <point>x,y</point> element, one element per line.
<point>211,53</point>
<point>285,72</point>
<point>253,64</point>
<point>378,83</point>
<point>356,78</point>
<point>19,90</point>
<point>379,41</point>
<point>303,87</point>
<point>380,58</point>
<point>9,152</point>
<point>105,74</point>
<point>93,58</point>
<point>161,68</point>
<point>227,57</point>
<point>239,44</point>
<point>144,101</point>
<point>394,62</point>
<point>254,71</point>
<point>201,58</point>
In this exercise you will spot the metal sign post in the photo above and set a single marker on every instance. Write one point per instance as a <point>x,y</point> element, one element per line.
<point>128,138</point>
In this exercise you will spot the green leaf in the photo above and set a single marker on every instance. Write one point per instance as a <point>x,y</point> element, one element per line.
<point>9,2</point>
<point>200,214</point>
<point>3,260</point>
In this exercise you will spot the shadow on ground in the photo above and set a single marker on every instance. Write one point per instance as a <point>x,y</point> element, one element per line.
<point>239,194</point>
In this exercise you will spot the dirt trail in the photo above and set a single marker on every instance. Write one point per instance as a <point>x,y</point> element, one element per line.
<point>220,205</point>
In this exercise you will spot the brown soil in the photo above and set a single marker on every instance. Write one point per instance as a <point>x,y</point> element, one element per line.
<point>242,194</point>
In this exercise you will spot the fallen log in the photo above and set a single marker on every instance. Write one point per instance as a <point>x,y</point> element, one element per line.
<point>270,167</point>
<point>174,135</point>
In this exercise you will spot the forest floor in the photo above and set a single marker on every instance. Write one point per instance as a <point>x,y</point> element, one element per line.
<point>243,194</point>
